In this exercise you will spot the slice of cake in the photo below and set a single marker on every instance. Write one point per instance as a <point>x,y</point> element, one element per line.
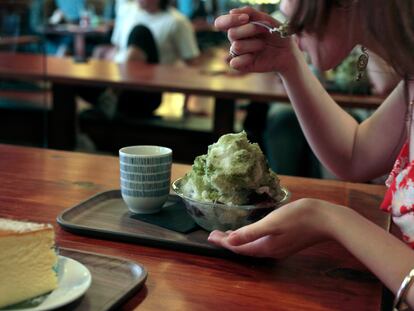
<point>27,259</point>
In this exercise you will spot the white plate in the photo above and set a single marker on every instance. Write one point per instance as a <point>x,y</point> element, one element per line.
<point>74,280</point>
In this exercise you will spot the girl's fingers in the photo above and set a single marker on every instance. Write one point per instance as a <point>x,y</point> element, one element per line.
<point>253,14</point>
<point>220,239</point>
<point>266,246</point>
<point>256,248</point>
<point>275,246</point>
<point>245,31</point>
<point>225,22</point>
<point>243,237</point>
<point>247,46</point>
<point>217,237</point>
<point>255,231</point>
<point>247,10</point>
<point>242,62</point>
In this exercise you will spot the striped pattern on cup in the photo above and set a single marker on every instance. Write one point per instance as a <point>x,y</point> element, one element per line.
<point>146,177</point>
<point>152,169</point>
<point>146,186</point>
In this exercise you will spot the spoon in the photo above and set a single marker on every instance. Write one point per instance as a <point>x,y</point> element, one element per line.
<point>282,30</point>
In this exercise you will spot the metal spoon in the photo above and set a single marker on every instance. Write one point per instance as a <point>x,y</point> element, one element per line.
<point>282,30</point>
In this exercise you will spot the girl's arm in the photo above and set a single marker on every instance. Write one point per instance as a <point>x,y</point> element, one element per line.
<point>386,256</point>
<point>350,150</point>
<point>306,222</point>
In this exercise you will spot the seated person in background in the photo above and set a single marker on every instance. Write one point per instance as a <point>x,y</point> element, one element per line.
<point>285,145</point>
<point>54,12</point>
<point>67,11</point>
<point>125,16</point>
<point>152,32</point>
<point>186,7</point>
<point>171,30</point>
<point>61,11</point>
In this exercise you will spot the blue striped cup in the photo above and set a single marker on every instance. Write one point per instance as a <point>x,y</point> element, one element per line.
<point>145,177</point>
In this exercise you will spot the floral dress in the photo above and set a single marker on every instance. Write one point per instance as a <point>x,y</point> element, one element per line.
<point>399,198</point>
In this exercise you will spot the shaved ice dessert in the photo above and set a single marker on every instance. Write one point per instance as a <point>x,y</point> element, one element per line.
<point>233,172</point>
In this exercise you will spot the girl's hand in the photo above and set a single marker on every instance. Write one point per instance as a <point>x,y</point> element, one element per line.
<point>257,50</point>
<point>283,232</point>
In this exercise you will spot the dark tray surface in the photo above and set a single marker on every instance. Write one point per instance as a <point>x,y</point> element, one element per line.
<point>114,280</point>
<point>105,215</point>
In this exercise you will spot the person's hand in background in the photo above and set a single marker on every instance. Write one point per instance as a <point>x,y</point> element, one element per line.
<point>57,17</point>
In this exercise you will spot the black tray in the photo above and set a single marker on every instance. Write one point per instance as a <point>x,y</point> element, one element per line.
<point>105,215</point>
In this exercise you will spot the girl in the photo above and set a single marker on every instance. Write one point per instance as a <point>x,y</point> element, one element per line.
<point>328,30</point>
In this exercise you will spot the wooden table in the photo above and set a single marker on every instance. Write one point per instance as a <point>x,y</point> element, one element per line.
<point>38,184</point>
<point>79,34</point>
<point>18,40</point>
<point>225,87</point>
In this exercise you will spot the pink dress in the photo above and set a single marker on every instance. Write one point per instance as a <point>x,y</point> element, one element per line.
<point>399,198</point>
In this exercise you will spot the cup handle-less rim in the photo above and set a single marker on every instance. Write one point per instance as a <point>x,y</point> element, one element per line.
<point>124,151</point>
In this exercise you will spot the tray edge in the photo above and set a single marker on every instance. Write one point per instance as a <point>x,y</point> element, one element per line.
<point>138,284</point>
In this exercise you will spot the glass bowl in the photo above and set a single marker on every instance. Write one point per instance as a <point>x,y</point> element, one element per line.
<point>218,216</point>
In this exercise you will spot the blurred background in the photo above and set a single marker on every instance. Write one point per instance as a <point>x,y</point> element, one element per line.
<point>81,32</point>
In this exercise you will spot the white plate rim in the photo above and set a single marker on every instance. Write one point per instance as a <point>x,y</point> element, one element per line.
<point>66,268</point>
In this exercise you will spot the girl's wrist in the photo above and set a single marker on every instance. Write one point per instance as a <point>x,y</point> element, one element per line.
<point>321,215</point>
<point>325,213</point>
<point>336,218</point>
<point>293,67</point>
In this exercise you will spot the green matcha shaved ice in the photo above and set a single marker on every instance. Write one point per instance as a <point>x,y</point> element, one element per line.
<point>232,172</point>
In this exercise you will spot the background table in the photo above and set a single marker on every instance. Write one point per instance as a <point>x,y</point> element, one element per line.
<point>79,33</point>
<point>38,184</point>
<point>18,40</point>
<point>224,86</point>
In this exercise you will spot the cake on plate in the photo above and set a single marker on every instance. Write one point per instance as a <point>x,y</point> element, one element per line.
<point>27,260</point>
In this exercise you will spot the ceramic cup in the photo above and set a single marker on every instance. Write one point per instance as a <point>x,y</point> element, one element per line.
<point>145,177</point>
